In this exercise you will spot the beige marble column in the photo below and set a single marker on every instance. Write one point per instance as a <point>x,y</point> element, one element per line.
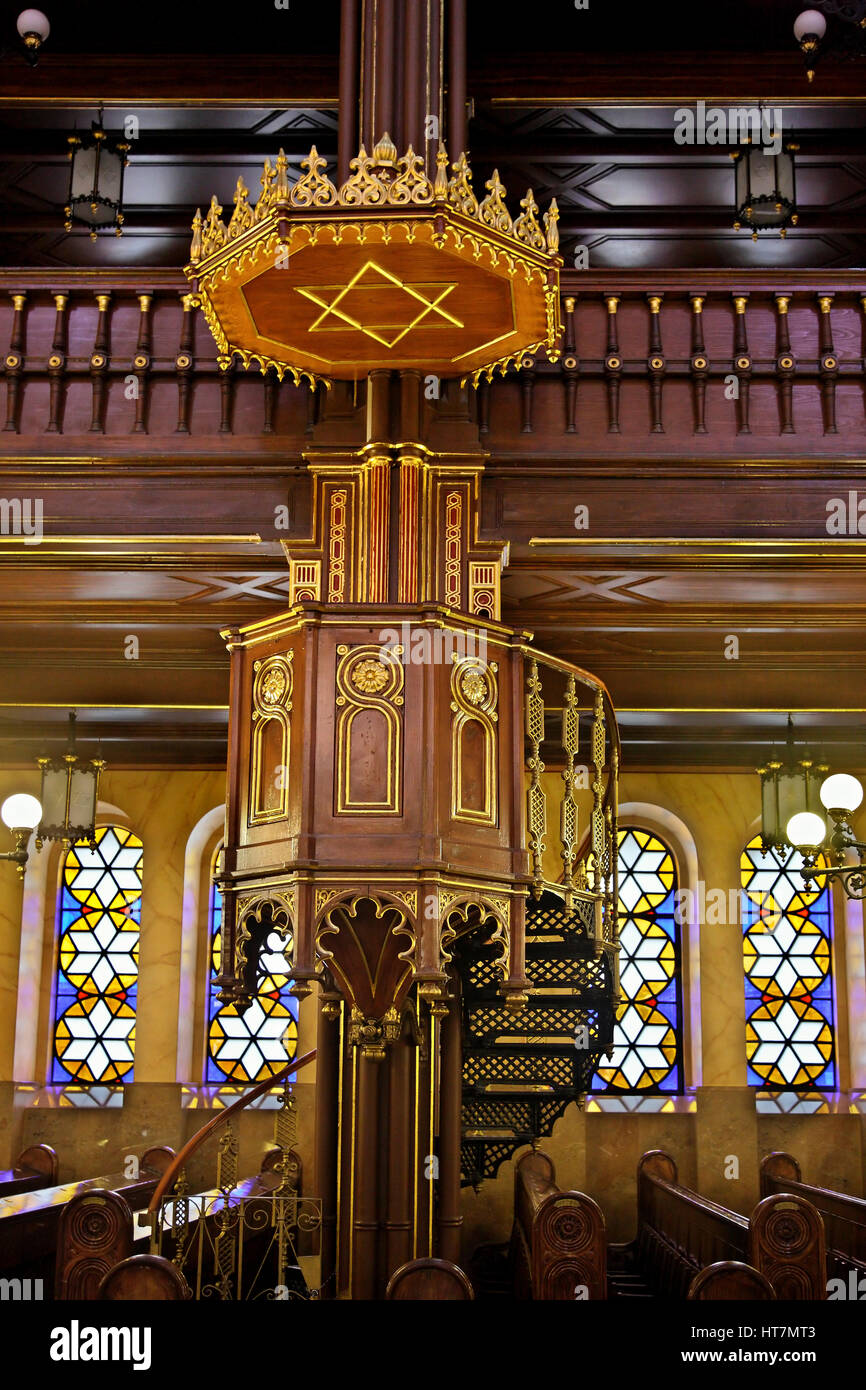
<point>11,887</point>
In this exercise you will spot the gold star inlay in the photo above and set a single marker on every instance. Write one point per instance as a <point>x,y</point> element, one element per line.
<point>418,300</point>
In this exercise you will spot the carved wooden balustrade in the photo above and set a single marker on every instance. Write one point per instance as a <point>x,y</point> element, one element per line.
<point>721,359</point>
<point>242,1238</point>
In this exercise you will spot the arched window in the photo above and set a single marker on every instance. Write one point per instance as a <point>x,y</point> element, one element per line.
<point>96,978</point>
<point>787,932</point>
<point>248,1047</point>
<point>647,1053</point>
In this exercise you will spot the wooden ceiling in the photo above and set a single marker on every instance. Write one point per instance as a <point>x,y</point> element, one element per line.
<point>581,108</point>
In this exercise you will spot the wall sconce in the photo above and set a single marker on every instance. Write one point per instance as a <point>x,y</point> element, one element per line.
<point>21,814</point>
<point>840,794</point>
<point>34,29</point>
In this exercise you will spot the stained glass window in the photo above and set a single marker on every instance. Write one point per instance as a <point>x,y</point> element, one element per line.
<point>647,1054</point>
<point>97,971</point>
<point>787,933</point>
<point>250,1046</point>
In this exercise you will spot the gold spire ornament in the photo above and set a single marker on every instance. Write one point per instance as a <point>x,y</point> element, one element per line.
<point>389,270</point>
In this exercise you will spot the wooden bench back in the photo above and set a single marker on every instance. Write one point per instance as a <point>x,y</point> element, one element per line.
<point>844,1215</point>
<point>429,1280</point>
<point>29,1221</point>
<point>680,1233</point>
<point>34,1168</point>
<point>559,1241</point>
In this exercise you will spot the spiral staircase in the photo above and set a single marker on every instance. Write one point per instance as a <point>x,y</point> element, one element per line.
<point>520,1072</point>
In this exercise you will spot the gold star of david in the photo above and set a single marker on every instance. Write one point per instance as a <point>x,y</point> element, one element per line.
<point>419,294</point>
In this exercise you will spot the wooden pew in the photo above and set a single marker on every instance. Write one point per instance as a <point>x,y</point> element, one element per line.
<point>35,1167</point>
<point>844,1216</point>
<point>29,1221</point>
<point>680,1233</point>
<point>730,1279</point>
<point>429,1280</point>
<point>144,1278</point>
<point>558,1239</point>
<point>99,1234</point>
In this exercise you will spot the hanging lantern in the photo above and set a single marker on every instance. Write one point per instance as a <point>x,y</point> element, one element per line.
<point>95,196</point>
<point>765,189</point>
<point>70,788</point>
<point>789,787</point>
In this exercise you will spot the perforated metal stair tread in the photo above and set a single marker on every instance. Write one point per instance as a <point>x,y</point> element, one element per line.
<point>520,1072</point>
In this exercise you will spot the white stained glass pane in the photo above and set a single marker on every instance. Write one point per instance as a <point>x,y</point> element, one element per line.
<point>53,796</point>
<point>81,798</point>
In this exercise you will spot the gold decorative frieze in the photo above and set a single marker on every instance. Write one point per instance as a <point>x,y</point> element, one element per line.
<point>369,734</point>
<point>388,270</point>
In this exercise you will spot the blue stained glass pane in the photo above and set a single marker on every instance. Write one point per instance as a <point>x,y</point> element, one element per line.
<point>251,1046</point>
<point>647,1054</point>
<point>787,957</point>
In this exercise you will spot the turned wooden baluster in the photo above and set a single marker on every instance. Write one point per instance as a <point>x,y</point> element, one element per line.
<point>57,365</point>
<point>612,365</point>
<point>699,364</point>
<point>312,404</point>
<point>142,362</point>
<point>569,368</point>
<point>742,363</point>
<point>15,362</point>
<point>183,364</point>
<point>99,366</point>
<point>656,363</point>
<point>482,397</point>
<point>785,364</point>
<point>829,363</point>
<point>527,393</point>
<point>227,387</point>
<point>270,389</point>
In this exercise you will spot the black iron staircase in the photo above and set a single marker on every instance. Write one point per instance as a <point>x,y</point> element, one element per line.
<point>521,1071</point>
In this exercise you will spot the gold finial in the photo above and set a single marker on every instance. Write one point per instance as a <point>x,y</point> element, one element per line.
<point>385,151</point>
<point>195,248</point>
<point>440,183</point>
<point>551,217</point>
<point>281,187</point>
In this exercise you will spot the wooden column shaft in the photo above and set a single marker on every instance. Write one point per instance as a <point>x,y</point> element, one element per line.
<point>398,1224</point>
<point>365,1222</point>
<point>327,1047</point>
<point>450,1102</point>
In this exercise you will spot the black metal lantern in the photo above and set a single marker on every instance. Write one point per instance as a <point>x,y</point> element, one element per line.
<point>765,191</point>
<point>95,196</point>
<point>789,786</point>
<point>70,791</point>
